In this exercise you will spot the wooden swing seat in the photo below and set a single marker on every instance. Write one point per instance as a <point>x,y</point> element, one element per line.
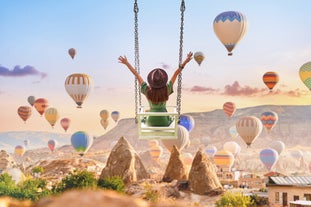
<point>157,132</point>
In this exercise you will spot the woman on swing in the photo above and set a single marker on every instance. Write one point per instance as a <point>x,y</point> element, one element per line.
<point>158,90</point>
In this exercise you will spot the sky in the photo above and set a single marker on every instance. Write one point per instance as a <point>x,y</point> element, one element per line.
<point>36,35</point>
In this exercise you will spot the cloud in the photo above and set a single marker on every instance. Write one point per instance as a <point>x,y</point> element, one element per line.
<point>203,89</point>
<point>236,90</point>
<point>19,71</point>
<point>294,93</point>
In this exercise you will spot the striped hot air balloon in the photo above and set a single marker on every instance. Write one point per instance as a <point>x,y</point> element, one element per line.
<point>51,115</point>
<point>305,74</point>
<point>229,108</point>
<point>269,119</point>
<point>199,57</point>
<point>65,122</point>
<point>230,27</point>
<point>81,141</point>
<point>52,144</point>
<point>155,152</point>
<point>249,128</point>
<point>210,150</point>
<point>180,142</point>
<point>24,112</point>
<point>269,157</point>
<point>270,79</point>
<point>115,115</point>
<point>78,86</point>
<point>224,159</point>
<point>41,104</point>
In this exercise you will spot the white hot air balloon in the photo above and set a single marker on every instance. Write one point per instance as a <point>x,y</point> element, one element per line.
<point>249,128</point>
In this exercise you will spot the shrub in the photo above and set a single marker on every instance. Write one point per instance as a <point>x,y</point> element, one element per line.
<point>37,169</point>
<point>234,200</point>
<point>151,194</point>
<point>114,183</point>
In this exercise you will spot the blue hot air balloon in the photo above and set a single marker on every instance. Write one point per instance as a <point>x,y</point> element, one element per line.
<point>187,122</point>
<point>269,157</point>
<point>81,141</point>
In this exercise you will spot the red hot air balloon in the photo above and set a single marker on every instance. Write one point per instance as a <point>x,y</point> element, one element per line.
<point>41,105</point>
<point>270,79</point>
<point>24,112</point>
<point>229,108</point>
<point>72,52</point>
<point>52,144</point>
<point>65,122</point>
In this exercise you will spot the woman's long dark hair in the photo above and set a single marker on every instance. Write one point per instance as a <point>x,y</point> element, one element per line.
<point>157,95</point>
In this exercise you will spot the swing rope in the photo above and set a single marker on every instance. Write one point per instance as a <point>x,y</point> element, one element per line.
<point>136,64</point>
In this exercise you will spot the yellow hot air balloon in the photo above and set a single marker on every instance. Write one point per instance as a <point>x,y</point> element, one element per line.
<point>51,115</point>
<point>19,150</point>
<point>78,86</point>
<point>249,128</point>
<point>104,114</point>
<point>230,27</point>
<point>72,52</point>
<point>104,123</point>
<point>199,57</point>
<point>180,142</point>
<point>305,74</point>
<point>156,152</point>
<point>224,160</point>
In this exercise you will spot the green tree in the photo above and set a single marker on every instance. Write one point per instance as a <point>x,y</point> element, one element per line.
<point>230,199</point>
<point>37,169</point>
<point>114,183</point>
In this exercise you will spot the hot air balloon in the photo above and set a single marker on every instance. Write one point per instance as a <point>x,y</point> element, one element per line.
<point>249,128</point>
<point>31,100</point>
<point>65,122</point>
<point>153,142</point>
<point>104,114</point>
<point>205,141</point>
<point>232,147</point>
<point>24,112</point>
<point>180,142</point>
<point>41,105</point>
<point>229,108</point>
<point>233,132</point>
<point>26,142</point>
<point>279,146</point>
<point>305,74</point>
<point>104,123</point>
<point>199,57</point>
<point>72,52</point>
<point>269,119</point>
<point>78,86</point>
<point>52,144</point>
<point>298,154</point>
<point>269,157</point>
<point>224,159</point>
<point>210,150</point>
<point>155,152</point>
<point>270,79</point>
<point>187,121</point>
<point>81,141</point>
<point>19,150</point>
<point>51,115</point>
<point>115,115</point>
<point>230,27</point>
<point>187,158</point>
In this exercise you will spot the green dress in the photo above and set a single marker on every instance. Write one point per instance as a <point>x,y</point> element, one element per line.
<point>159,107</point>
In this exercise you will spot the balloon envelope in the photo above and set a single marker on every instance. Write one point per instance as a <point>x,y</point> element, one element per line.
<point>187,158</point>
<point>41,104</point>
<point>305,74</point>
<point>269,119</point>
<point>65,122</point>
<point>104,123</point>
<point>224,159</point>
<point>249,128</point>
<point>270,79</point>
<point>232,147</point>
<point>72,52</point>
<point>233,132</point>
<point>19,150</point>
<point>210,150</point>
<point>279,146</point>
<point>199,57</point>
<point>180,142</point>
<point>78,86</point>
<point>52,144</point>
<point>24,112</point>
<point>187,122</point>
<point>81,141</point>
<point>155,152</point>
<point>104,114</point>
<point>115,115</point>
<point>51,115</point>
<point>229,108</point>
<point>269,157</point>
<point>31,100</point>
<point>230,27</point>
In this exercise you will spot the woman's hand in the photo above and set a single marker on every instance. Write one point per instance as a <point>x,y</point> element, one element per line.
<point>123,59</point>
<point>189,57</point>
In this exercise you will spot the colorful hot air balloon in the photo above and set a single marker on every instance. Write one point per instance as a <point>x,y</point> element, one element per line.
<point>224,159</point>
<point>199,57</point>
<point>269,157</point>
<point>19,150</point>
<point>81,141</point>
<point>51,115</point>
<point>279,146</point>
<point>270,79</point>
<point>31,100</point>
<point>24,112</point>
<point>187,121</point>
<point>229,108</point>
<point>232,147</point>
<point>210,150</point>
<point>104,114</point>
<point>233,132</point>
<point>153,142</point>
<point>115,115</point>
<point>180,142</point>
<point>155,152</point>
<point>41,105</point>
<point>187,158</point>
<point>269,119</point>
<point>72,52</point>
<point>249,128</point>
<point>52,144</point>
<point>230,27</point>
<point>305,74</point>
<point>104,123</point>
<point>65,122</point>
<point>78,86</point>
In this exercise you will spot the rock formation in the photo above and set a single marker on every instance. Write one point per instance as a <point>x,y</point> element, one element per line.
<point>176,169</point>
<point>123,161</point>
<point>202,176</point>
<point>6,161</point>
